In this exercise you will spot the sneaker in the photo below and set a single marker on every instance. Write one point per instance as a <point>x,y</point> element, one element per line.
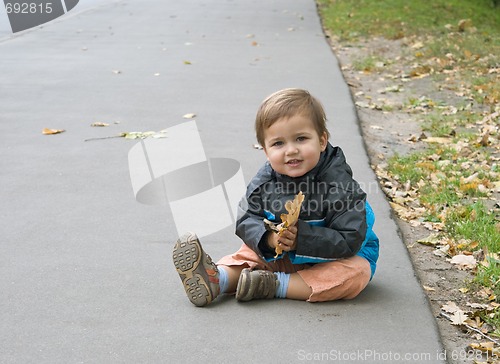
<point>256,284</point>
<point>198,273</point>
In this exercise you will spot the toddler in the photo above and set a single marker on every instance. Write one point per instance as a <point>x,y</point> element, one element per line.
<point>329,254</point>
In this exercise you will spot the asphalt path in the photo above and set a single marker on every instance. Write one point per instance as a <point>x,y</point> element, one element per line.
<point>86,270</point>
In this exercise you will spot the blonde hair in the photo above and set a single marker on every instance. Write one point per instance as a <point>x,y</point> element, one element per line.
<point>287,103</point>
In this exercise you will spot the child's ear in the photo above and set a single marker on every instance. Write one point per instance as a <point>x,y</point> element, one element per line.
<point>265,152</point>
<point>323,141</point>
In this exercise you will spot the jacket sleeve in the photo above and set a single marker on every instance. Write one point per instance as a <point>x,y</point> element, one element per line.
<point>250,223</point>
<point>343,233</point>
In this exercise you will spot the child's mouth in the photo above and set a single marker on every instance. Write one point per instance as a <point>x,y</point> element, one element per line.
<point>293,162</point>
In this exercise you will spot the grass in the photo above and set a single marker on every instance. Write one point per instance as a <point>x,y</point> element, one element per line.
<point>394,19</point>
<point>457,44</point>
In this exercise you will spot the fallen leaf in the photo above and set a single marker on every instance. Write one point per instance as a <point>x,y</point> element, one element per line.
<point>486,347</point>
<point>116,72</point>
<point>438,140</point>
<point>459,318</point>
<point>418,45</point>
<point>450,307</point>
<point>189,116</point>
<point>99,124</point>
<point>469,179</point>
<point>464,261</point>
<point>254,43</point>
<point>431,240</point>
<point>395,88</point>
<point>187,62</point>
<point>363,104</point>
<point>257,146</point>
<point>144,134</point>
<point>47,131</point>
<point>464,24</point>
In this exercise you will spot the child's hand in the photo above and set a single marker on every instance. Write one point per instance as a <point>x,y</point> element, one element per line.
<point>287,241</point>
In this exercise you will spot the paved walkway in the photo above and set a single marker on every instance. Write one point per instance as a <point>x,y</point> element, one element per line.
<point>86,270</point>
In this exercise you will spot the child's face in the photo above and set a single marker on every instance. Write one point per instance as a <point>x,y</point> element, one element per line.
<point>293,146</point>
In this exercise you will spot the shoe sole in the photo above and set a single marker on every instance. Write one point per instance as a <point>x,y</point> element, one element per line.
<point>187,257</point>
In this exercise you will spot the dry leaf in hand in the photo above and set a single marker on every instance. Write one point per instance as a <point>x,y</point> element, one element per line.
<point>293,208</point>
<point>47,131</point>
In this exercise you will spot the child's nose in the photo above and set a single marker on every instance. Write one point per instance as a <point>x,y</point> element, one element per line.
<point>291,149</point>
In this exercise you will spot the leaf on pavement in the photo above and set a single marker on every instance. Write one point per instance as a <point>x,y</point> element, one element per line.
<point>99,124</point>
<point>257,146</point>
<point>189,116</point>
<point>144,134</point>
<point>47,131</point>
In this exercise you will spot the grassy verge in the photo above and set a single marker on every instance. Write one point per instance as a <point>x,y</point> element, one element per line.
<point>453,185</point>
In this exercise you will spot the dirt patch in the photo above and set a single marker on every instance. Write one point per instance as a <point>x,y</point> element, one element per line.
<point>381,90</point>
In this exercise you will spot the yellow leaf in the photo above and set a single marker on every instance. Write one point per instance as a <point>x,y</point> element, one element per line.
<point>47,131</point>
<point>187,62</point>
<point>426,165</point>
<point>486,347</point>
<point>438,140</point>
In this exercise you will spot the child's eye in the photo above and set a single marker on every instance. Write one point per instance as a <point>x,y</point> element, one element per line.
<point>277,144</point>
<point>301,138</point>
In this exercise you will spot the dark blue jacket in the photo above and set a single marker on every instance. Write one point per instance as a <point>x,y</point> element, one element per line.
<point>335,220</point>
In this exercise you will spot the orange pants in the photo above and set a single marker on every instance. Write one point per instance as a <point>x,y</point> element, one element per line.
<point>340,279</point>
